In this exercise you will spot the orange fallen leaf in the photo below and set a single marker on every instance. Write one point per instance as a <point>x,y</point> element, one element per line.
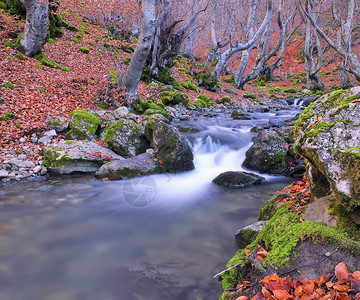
<point>341,271</point>
<point>282,295</point>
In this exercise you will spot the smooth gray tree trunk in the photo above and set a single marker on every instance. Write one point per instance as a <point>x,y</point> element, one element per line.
<point>36,27</point>
<point>137,63</point>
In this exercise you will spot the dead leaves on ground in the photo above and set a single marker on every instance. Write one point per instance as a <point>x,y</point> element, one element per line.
<point>301,192</point>
<point>342,286</point>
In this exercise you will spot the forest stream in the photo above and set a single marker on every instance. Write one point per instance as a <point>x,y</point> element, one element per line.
<point>154,237</point>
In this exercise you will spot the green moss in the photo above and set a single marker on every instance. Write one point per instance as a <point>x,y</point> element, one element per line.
<point>18,45</point>
<point>345,222</point>
<point>171,142</point>
<point>41,90</point>
<point>20,56</point>
<point>174,98</point>
<point>209,82</point>
<point>165,76</point>
<point>9,85</point>
<point>3,5</point>
<point>39,67</point>
<point>47,62</point>
<point>9,43</point>
<point>55,24</point>
<point>18,126</point>
<point>249,95</point>
<point>72,28</point>
<point>127,60</point>
<point>112,130</point>
<point>152,108</point>
<point>84,49</point>
<point>85,124</point>
<point>320,127</point>
<point>7,116</point>
<point>53,158</point>
<point>75,40</point>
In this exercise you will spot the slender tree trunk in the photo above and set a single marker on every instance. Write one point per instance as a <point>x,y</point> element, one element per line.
<point>36,27</point>
<point>137,63</point>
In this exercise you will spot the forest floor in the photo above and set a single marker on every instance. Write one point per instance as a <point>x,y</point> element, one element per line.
<point>31,94</point>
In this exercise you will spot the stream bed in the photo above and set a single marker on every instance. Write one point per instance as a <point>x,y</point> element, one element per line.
<point>155,237</point>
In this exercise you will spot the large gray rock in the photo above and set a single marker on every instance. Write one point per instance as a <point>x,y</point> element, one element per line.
<point>126,138</point>
<point>170,147</point>
<point>83,125</point>
<point>238,180</point>
<point>76,156</point>
<point>267,154</point>
<point>143,164</point>
<point>327,134</point>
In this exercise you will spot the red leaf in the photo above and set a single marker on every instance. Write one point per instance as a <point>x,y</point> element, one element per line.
<point>341,271</point>
<point>282,295</point>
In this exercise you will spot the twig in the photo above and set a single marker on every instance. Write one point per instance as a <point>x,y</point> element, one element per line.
<point>228,269</point>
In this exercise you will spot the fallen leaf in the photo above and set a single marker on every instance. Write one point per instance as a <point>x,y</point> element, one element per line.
<point>341,271</point>
<point>282,295</point>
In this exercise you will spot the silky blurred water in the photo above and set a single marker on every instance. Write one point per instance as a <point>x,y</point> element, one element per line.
<point>156,237</point>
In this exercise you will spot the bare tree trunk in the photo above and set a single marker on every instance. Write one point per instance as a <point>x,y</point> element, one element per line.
<point>224,57</point>
<point>265,53</point>
<point>312,45</point>
<point>36,27</point>
<point>343,45</point>
<point>137,63</point>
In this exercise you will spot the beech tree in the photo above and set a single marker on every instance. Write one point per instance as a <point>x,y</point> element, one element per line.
<point>339,33</point>
<point>209,81</point>
<point>266,50</point>
<point>313,50</point>
<point>138,60</point>
<point>169,36</point>
<point>36,27</point>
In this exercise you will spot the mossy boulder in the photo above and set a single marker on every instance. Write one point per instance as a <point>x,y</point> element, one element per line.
<point>76,156</point>
<point>140,165</point>
<point>170,147</point>
<point>294,244</point>
<point>83,125</point>
<point>267,154</point>
<point>174,98</point>
<point>209,82</point>
<point>327,134</point>
<point>126,138</point>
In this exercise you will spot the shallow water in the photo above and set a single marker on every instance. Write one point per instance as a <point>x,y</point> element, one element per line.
<point>156,237</point>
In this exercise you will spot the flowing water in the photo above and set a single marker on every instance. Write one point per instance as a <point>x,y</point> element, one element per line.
<point>156,237</point>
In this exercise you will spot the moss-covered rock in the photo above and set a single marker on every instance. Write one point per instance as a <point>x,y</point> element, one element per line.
<point>327,134</point>
<point>174,98</point>
<point>169,145</point>
<point>76,156</point>
<point>267,154</point>
<point>126,138</point>
<point>149,107</point>
<point>83,125</point>
<point>289,239</point>
<point>209,82</point>
<point>140,165</point>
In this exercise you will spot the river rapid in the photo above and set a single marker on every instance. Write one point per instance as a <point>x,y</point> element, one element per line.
<point>155,237</point>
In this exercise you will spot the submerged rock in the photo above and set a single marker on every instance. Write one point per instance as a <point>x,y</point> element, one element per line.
<point>143,164</point>
<point>327,134</point>
<point>76,156</point>
<point>238,180</point>
<point>170,147</point>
